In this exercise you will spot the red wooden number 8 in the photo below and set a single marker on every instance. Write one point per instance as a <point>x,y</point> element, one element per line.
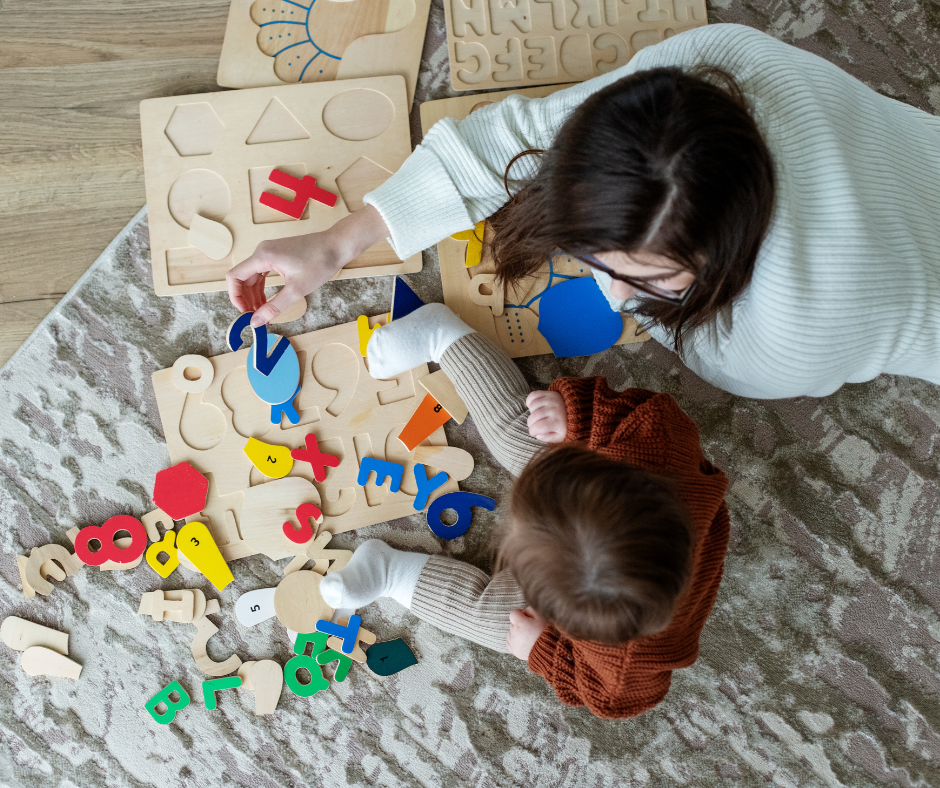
<point>109,551</point>
<point>305,513</point>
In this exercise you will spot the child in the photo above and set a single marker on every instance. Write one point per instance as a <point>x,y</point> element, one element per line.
<point>616,539</point>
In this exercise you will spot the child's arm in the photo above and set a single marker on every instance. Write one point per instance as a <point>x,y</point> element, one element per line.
<point>452,595</point>
<point>485,377</point>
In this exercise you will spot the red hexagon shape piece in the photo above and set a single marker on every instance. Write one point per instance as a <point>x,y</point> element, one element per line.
<point>180,491</point>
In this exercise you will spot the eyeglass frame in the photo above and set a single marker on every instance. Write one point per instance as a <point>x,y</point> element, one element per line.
<point>653,291</point>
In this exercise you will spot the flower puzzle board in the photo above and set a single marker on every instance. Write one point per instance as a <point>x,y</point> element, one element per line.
<point>509,319</point>
<point>503,43</point>
<point>352,415</point>
<point>212,155</point>
<point>283,42</point>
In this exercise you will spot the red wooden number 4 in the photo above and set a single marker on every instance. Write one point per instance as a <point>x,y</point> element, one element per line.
<point>304,189</point>
<point>305,513</point>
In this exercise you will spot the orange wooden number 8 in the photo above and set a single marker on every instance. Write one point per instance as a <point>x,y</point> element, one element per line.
<point>305,513</point>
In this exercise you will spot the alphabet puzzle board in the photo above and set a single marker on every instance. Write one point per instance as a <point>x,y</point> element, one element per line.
<point>352,415</point>
<point>509,319</point>
<point>281,42</point>
<point>212,154</point>
<point>501,43</point>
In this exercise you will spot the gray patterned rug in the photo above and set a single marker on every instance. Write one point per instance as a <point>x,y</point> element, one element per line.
<point>820,665</point>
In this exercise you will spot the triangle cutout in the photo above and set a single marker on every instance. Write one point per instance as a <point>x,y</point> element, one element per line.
<point>276,124</point>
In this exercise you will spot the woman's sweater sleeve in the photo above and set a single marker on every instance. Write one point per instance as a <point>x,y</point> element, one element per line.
<point>454,179</point>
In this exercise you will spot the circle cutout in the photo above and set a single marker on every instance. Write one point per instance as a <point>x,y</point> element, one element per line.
<point>358,114</point>
<point>199,191</point>
<point>184,379</point>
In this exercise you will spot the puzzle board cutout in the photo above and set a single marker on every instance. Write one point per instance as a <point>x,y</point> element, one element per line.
<point>503,43</point>
<point>352,415</point>
<point>342,29</point>
<point>211,154</point>
<point>515,330</point>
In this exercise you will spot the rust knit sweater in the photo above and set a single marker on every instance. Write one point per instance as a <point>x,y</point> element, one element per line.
<point>650,431</point>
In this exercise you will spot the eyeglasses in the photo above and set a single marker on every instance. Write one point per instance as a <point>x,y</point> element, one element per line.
<point>648,288</point>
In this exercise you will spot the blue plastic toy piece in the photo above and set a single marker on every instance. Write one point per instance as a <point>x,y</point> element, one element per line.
<point>576,320</point>
<point>389,657</point>
<point>277,386</point>
<point>426,486</point>
<point>404,299</point>
<point>287,408</point>
<point>348,633</point>
<point>383,470</point>
<point>460,502</point>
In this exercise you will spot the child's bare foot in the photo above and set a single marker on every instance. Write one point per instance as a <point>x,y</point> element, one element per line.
<point>548,420</point>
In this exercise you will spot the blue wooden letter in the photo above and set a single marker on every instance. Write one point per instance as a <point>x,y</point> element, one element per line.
<point>383,470</point>
<point>426,486</point>
<point>348,633</point>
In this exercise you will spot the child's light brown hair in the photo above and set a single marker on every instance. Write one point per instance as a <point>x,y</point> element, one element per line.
<point>600,548</point>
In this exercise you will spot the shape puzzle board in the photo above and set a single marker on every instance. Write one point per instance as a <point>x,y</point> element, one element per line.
<point>352,414</point>
<point>515,329</point>
<point>321,41</point>
<point>212,154</point>
<point>501,43</point>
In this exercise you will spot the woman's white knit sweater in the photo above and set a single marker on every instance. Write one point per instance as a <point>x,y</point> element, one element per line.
<point>847,283</point>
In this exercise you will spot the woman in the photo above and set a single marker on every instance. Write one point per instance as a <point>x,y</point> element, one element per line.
<point>803,256</point>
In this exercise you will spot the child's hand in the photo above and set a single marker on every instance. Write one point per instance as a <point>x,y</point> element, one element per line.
<point>525,626</point>
<point>548,419</point>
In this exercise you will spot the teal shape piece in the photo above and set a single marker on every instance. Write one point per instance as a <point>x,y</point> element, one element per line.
<point>390,657</point>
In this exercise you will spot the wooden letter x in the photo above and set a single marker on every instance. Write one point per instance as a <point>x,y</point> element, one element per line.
<point>317,459</point>
<point>304,189</point>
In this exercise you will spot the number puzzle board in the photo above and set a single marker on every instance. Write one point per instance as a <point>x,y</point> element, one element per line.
<point>281,42</point>
<point>501,43</point>
<point>352,414</point>
<point>515,327</point>
<point>212,154</point>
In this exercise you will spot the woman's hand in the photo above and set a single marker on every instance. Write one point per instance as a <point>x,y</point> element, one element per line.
<point>304,261</point>
<point>525,626</point>
<point>548,419</point>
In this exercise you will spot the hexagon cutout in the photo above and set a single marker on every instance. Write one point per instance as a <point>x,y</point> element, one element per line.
<point>358,179</point>
<point>194,129</point>
<point>180,491</point>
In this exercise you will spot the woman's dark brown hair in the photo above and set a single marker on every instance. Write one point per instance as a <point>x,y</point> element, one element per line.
<point>601,549</point>
<point>662,161</point>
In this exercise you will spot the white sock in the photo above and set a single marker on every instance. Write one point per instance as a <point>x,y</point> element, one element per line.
<point>374,570</point>
<point>415,339</point>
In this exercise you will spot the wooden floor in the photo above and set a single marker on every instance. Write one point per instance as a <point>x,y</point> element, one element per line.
<point>72,75</point>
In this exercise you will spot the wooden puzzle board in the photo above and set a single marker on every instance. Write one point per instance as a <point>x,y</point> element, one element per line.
<point>212,154</point>
<point>242,64</point>
<point>352,414</point>
<point>502,43</point>
<point>515,330</point>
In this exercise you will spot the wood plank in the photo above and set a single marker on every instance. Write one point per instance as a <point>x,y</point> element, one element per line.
<point>60,32</point>
<point>18,320</point>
